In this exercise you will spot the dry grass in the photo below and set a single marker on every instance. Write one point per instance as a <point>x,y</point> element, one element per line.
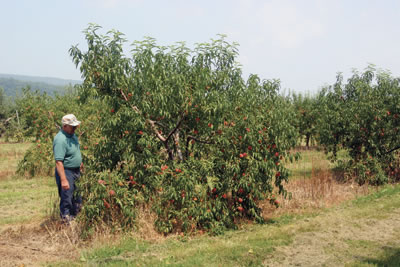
<point>10,154</point>
<point>31,243</point>
<point>23,200</point>
<point>145,225</point>
<point>317,187</point>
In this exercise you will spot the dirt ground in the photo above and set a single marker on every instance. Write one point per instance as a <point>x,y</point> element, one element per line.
<point>35,244</point>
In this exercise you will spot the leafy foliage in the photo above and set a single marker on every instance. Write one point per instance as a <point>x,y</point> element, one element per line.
<point>307,116</point>
<point>40,118</point>
<point>362,117</point>
<point>182,131</point>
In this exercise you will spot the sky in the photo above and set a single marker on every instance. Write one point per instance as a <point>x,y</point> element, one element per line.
<point>303,43</point>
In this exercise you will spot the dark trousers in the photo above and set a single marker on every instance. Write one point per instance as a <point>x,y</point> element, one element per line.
<point>70,200</point>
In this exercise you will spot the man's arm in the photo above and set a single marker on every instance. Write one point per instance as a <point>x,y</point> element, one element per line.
<point>61,173</point>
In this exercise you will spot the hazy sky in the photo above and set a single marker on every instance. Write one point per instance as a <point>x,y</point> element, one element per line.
<point>304,43</point>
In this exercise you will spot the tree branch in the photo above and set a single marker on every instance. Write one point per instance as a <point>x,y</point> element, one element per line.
<point>135,108</point>
<point>391,150</point>
<point>176,127</point>
<point>160,124</point>
<point>169,151</point>
<point>190,137</point>
<point>176,141</point>
<point>156,131</point>
<point>152,123</point>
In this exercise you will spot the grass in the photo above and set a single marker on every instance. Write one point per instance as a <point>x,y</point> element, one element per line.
<point>253,245</point>
<point>388,256</point>
<point>311,161</point>
<point>379,203</point>
<point>22,200</point>
<point>10,154</point>
<point>238,248</point>
<point>371,210</point>
<point>359,232</point>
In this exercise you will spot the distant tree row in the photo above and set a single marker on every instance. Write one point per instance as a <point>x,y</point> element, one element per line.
<point>360,116</point>
<point>13,87</point>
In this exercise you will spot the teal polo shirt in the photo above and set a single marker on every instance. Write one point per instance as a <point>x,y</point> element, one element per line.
<point>66,149</point>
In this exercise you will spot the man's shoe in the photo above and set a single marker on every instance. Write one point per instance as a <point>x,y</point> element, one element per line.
<point>66,219</point>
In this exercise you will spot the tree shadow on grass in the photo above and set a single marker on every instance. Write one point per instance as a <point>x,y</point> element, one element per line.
<point>390,257</point>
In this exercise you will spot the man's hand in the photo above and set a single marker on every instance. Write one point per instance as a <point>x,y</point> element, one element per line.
<point>82,168</point>
<point>61,173</point>
<point>64,184</point>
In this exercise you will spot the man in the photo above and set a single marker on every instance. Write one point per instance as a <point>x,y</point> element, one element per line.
<point>68,167</point>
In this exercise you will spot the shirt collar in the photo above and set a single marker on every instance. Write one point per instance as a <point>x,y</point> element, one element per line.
<point>66,134</point>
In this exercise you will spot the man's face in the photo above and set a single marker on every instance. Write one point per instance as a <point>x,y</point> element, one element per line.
<point>69,129</point>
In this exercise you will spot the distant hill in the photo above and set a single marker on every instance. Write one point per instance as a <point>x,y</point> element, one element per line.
<point>12,84</point>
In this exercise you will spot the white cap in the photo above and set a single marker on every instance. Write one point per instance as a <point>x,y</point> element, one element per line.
<point>70,119</point>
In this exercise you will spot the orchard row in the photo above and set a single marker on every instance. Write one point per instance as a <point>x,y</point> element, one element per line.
<point>179,131</point>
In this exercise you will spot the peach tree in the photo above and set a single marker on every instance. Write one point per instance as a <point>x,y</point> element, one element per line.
<point>307,117</point>
<point>39,124</point>
<point>362,117</point>
<point>40,118</point>
<point>181,130</point>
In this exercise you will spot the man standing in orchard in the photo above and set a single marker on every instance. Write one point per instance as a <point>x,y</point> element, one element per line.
<point>68,167</point>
